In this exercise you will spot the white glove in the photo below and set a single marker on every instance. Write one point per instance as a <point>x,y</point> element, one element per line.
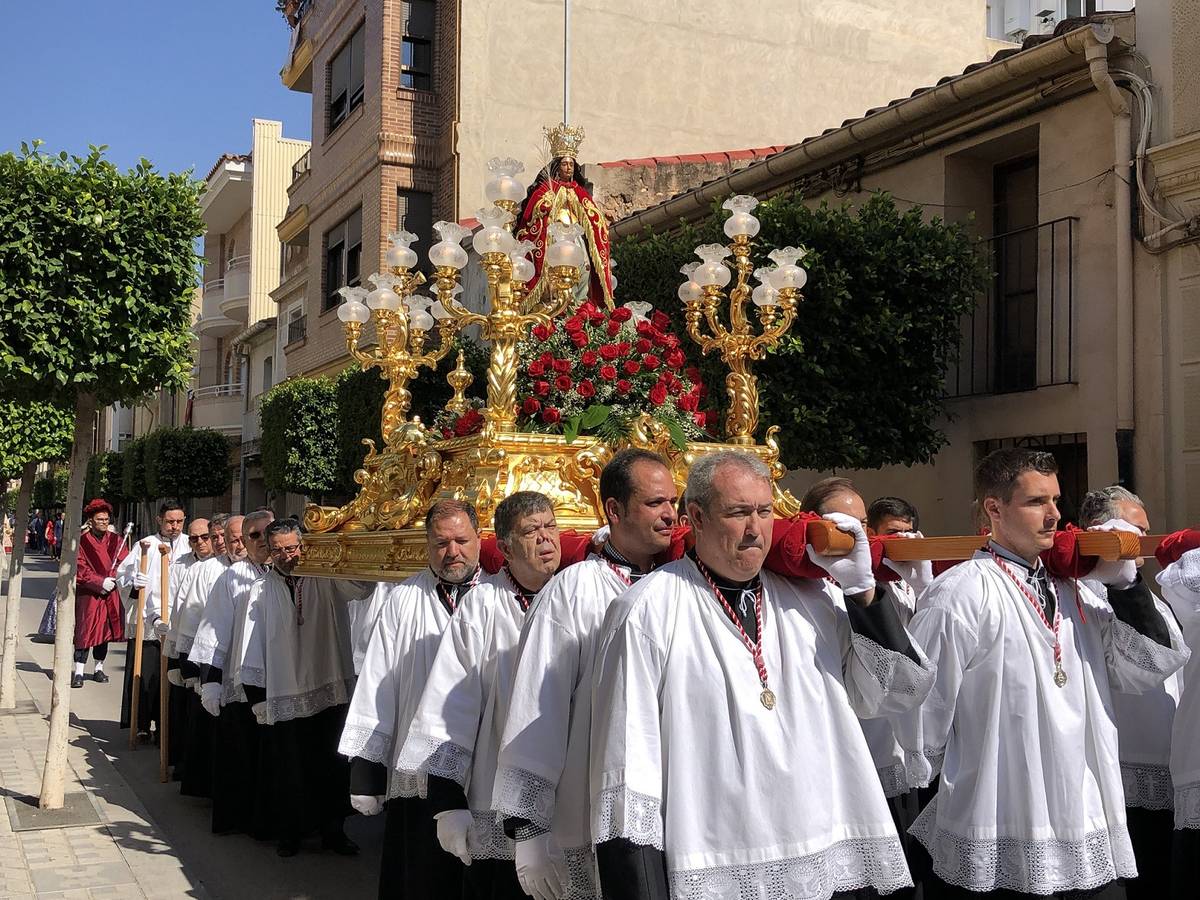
<point>210,698</point>
<point>108,585</point>
<point>175,677</point>
<point>918,574</point>
<point>140,580</point>
<point>542,868</point>
<point>161,629</point>
<point>600,535</point>
<point>260,712</point>
<point>370,805</point>
<point>452,829</point>
<point>852,572</point>
<point>191,684</point>
<point>1119,573</point>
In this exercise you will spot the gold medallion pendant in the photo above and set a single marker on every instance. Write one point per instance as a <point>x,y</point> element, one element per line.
<point>1060,677</point>
<point>768,698</point>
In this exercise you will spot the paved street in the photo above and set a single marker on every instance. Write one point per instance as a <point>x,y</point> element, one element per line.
<point>152,842</point>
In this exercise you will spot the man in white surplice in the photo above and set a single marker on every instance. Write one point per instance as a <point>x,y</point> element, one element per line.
<point>401,651</point>
<point>301,644</point>
<point>218,649</point>
<point>1180,583</point>
<point>727,756</point>
<point>541,778</point>
<point>455,733</point>
<point>1020,717</point>
<point>1143,722</point>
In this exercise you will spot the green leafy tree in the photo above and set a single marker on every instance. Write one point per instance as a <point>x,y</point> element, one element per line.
<point>879,320</point>
<point>133,470</point>
<point>29,433</point>
<point>104,477</point>
<point>299,422</point>
<point>97,277</point>
<point>50,492</point>
<point>183,463</point>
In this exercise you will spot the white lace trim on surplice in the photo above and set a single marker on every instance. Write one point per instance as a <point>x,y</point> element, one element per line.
<point>486,839</point>
<point>366,743</point>
<point>1027,866</point>
<point>1187,806</point>
<point>895,672</point>
<point>444,759</point>
<point>894,780</point>
<point>622,813</point>
<point>1147,786</point>
<point>585,879</point>
<point>1142,651</point>
<point>522,795</point>
<point>846,866</point>
<point>309,703</point>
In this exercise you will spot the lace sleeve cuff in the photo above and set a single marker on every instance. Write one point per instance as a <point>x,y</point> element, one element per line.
<point>1144,652</point>
<point>901,682</point>
<point>622,813</point>
<point>444,759</point>
<point>522,795</point>
<point>374,745</point>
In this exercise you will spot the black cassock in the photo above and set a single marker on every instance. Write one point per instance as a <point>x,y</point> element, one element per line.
<point>148,692</point>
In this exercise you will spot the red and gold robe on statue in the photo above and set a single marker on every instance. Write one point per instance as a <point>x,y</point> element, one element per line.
<point>568,203</point>
<point>99,617</point>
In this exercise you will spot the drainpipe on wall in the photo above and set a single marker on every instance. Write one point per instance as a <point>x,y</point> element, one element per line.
<point>1096,51</point>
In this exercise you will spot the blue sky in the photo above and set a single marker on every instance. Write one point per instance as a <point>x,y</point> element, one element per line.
<point>174,81</point>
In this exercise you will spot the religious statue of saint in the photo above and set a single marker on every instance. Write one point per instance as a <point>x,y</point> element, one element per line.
<point>561,193</point>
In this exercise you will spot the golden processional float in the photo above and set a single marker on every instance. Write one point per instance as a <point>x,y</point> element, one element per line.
<point>379,534</point>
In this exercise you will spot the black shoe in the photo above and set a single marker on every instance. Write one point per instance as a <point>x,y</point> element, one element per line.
<point>339,844</point>
<point>288,848</point>
<point>99,677</point>
<point>76,681</point>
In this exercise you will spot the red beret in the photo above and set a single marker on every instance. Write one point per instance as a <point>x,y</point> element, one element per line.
<point>97,506</point>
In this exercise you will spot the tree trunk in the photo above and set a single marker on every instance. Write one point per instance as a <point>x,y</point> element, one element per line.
<point>12,607</point>
<point>55,769</point>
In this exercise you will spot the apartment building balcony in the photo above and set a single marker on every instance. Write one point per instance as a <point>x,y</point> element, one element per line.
<point>219,406</point>
<point>1021,334</point>
<point>236,302</point>
<point>213,322</point>
<point>296,74</point>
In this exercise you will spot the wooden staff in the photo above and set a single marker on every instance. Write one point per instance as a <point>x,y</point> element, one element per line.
<point>825,538</point>
<point>164,575</point>
<point>137,649</point>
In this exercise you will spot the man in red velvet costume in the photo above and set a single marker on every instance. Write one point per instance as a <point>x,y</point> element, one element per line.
<point>99,617</point>
<point>560,193</point>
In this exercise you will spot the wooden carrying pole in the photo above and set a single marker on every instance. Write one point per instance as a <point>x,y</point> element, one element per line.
<point>825,538</point>
<point>138,633</point>
<point>164,574</point>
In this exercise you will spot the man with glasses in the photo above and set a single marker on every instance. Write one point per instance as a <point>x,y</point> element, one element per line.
<point>301,644</point>
<point>98,618</point>
<point>171,518</point>
<point>218,649</point>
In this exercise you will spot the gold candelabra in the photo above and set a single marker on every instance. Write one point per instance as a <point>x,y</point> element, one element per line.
<point>507,269</point>
<point>459,380</point>
<point>775,298</point>
<point>402,324</point>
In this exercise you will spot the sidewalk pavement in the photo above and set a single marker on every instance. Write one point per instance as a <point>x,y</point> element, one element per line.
<point>124,856</point>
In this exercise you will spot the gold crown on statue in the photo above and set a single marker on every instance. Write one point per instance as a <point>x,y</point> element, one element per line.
<point>564,139</point>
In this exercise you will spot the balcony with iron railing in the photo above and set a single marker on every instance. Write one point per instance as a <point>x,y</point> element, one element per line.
<point>1021,334</point>
<point>218,406</point>
<point>236,302</point>
<point>212,321</point>
<point>300,169</point>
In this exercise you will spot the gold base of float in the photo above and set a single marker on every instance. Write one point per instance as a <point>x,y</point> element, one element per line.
<point>380,534</point>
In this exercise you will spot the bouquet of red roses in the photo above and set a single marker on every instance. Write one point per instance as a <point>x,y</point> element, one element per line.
<point>596,371</point>
<point>451,425</point>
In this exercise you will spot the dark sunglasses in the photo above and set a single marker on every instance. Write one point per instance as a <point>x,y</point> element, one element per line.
<point>196,538</point>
